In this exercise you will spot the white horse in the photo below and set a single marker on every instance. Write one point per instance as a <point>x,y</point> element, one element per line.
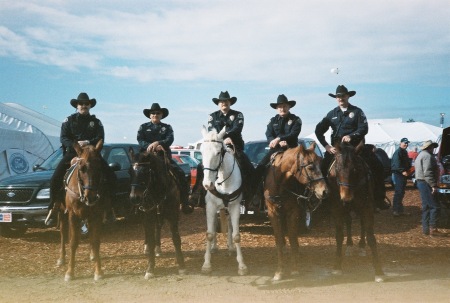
<point>222,180</point>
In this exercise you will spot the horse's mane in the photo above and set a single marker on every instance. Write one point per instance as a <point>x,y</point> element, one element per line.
<point>159,166</point>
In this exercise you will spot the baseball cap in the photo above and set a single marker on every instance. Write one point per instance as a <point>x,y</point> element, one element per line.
<point>404,140</point>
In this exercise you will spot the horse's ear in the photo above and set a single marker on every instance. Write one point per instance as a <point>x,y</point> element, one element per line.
<point>99,145</point>
<point>77,148</point>
<point>312,146</point>
<point>222,132</point>
<point>204,131</point>
<point>360,147</point>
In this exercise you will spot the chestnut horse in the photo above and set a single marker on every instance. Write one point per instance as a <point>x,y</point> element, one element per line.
<point>352,189</point>
<point>293,176</point>
<point>84,201</point>
<point>155,192</point>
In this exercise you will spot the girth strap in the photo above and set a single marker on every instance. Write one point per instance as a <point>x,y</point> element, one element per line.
<point>226,198</point>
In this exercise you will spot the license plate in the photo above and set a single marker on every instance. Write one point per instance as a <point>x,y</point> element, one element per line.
<point>5,217</point>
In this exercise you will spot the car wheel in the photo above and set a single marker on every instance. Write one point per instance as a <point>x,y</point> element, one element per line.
<point>12,231</point>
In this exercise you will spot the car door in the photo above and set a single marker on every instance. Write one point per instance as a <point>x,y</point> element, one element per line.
<point>119,155</point>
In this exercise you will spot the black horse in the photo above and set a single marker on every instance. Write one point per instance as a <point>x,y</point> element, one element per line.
<point>351,189</point>
<point>155,192</point>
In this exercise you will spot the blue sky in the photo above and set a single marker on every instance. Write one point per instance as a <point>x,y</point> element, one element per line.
<point>182,53</point>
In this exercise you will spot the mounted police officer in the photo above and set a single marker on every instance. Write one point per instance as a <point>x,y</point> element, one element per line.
<point>282,132</point>
<point>156,136</point>
<point>349,124</point>
<point>86,129</point>
<point>233,121</point>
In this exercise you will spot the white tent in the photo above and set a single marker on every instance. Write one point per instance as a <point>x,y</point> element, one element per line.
<point>387,133</point>
<point>26,138</point>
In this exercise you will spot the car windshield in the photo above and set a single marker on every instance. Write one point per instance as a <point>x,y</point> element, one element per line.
<point>52,161</point>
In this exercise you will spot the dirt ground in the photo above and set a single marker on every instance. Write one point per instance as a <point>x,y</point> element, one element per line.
<point>417,267</point>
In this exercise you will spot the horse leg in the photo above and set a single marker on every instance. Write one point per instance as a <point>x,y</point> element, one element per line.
<point>74,236</point>
<point>275,220</point>
<point>362,240</point>
<point>150,226</point>
<point>234,214</point>
<point>176,239</point>
<point>292,220</point>
<point>158,228</point>
<point>230,242</point>
<point>371,240</point>
<point>211,220</point>
<point>63,230</point>
<point>94,238</point>
<point>348,228</point>
<point>339,236</point>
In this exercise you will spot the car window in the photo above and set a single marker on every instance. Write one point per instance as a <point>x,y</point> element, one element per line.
<point>119,155</point>
<point>189,160</point>
<point>52,161</point>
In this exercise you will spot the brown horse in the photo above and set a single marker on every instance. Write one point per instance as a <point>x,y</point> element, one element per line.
<point>351,189</point>
<point>294,176</point>
<point>84,201</point>
<point>155,192</point>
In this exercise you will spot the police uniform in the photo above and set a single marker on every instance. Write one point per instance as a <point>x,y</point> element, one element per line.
<point>149,133</point>
<point>233,122</point>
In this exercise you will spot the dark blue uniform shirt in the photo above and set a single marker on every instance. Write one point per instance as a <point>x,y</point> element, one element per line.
<point>149,133</point>
<point>233,122</point>
<point>287,129</point>
<point>352,122</point>
<point>79,127</point>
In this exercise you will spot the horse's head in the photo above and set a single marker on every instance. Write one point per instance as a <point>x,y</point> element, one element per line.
<point>88,172</point>
<point>348,169</point>
<point>147,179</point>
<point>305,167</point>
<point>212,155</point>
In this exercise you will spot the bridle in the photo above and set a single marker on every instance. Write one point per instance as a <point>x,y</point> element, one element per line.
<point>362,181</point>
<point>81,187</point>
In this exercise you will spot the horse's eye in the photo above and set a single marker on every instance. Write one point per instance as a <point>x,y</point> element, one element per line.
<point>83,168</point>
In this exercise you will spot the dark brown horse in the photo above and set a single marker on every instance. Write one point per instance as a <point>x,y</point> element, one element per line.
<point>351,189</point>
<point>154,191</point>
<point>293,177</point>
<point>85,200</point>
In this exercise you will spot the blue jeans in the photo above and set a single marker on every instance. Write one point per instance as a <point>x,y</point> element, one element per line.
<point>400,185</point>
<point>430,207</point>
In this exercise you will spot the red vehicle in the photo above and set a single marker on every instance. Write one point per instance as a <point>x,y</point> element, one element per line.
<point>193,163</point>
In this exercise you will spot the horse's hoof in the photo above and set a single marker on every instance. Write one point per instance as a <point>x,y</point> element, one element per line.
<point>149,275</point>
<point>206,270</point>
<point>243,271</point>
<point>158,251</point>
<point>98,277</point>
<point>214,250</point>
<point>380,279</point>
<point>337,272</point>
<point>91,257</point>
<point>68,278</point>
<point>182,271</point>
<point>277,277</point>
<point>362,252</point>
<point>60,262</point>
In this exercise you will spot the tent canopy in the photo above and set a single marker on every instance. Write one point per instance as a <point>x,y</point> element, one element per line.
<point>26,138</point>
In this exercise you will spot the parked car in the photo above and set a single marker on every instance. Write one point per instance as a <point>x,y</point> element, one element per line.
<point>256,150</point>
<point>194,153</point>
<point>24,198</point>
<point>192,165</point>
<point>443,159</point>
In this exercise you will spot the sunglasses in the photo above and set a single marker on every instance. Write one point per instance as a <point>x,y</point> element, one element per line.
<point>155,113</point>
<point>84,103</point>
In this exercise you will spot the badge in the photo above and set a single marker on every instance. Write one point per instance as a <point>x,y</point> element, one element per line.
<point>91,124</point>
<point>289,122</point>
<point>351,115</point>
<point>163,129</point>
<point>232,118</point>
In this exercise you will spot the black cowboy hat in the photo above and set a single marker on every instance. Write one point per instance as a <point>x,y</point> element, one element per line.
<point>83,97</point>
<point>282,99</point>
<point>224,96</point>
<point>341,90</point>
<point>156,108</point>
